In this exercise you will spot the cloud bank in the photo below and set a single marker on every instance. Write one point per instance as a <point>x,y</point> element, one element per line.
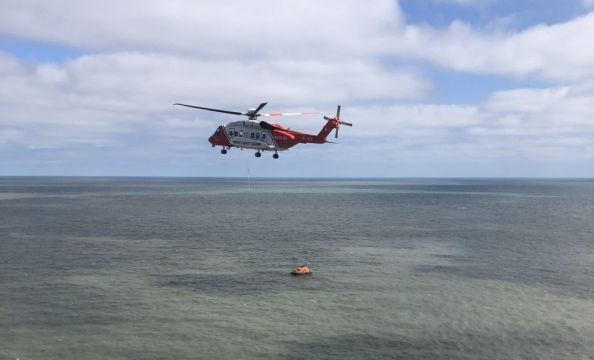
<point>112,105</point>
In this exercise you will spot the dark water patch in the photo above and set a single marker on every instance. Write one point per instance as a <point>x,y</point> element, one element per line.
<point>577,285</point>
<point>252,283</point>
<point>224,284</point>
<point>453,257</point>
<point>445,344</point>
<point>439,269</point>
<point>53,304</point>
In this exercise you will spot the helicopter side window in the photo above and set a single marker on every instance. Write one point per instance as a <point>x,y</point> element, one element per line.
<point>235,133</point>
<point>257,136</point>
<point>231,132</point>
<point>240,133</point>
<point>263,136</point>
<point>252,136</point>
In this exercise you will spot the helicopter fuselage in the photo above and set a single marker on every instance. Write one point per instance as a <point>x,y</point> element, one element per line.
<point>259,135</point>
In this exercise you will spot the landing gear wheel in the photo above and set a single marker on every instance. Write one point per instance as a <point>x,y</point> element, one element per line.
<point>223,151</point>
<point>275,156</point>
<point>258,154</point>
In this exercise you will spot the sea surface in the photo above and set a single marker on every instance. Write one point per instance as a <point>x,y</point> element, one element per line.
<point>196,268</point>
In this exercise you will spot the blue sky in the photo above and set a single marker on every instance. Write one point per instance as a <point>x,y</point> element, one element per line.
<point>517,15</point>
<point>435,88</point>
<point>31,51</point>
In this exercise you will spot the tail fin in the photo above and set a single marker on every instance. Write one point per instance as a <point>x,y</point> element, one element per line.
<point>333,123</point>
<point>327,129</point>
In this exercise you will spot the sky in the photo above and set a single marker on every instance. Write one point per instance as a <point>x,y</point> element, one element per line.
<point>435,88</point>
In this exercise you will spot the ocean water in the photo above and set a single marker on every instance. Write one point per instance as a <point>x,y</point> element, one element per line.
<point>173,268</point>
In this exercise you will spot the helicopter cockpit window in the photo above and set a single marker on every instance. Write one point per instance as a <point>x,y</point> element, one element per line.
<point>218,132</point>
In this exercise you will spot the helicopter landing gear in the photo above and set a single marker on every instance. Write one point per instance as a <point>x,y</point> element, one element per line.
<point>258,154</point>
<point>223,151</point>
<point>275,156</point>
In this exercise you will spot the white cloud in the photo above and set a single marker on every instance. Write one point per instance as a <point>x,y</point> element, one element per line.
<point>8,64</point>
<point>550,52</point>
<point>117,103</point>
<point>541,124</point>
<point>534,125</point>
<point>267,30</point>
<point>106,104</point>
<point>96,98</point>
<point>221,29</point>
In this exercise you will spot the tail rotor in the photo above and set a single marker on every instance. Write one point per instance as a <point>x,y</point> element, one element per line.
<point>338,121</point>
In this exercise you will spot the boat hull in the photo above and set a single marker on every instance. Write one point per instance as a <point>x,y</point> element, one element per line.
<point>295,273</point>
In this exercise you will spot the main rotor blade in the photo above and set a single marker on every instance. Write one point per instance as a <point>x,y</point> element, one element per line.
<point>209,109</point>
<point>290,114</point>
<point>259,108</point>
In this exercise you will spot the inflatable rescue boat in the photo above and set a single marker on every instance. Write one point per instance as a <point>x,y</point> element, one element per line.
<point>301,270</point>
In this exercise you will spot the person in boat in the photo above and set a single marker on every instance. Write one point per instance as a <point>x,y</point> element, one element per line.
<point>301,270</point>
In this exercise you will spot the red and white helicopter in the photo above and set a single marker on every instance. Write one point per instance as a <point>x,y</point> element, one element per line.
<point>263,136</point>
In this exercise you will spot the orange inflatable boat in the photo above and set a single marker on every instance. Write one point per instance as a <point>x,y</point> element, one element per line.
<point>301,270</point>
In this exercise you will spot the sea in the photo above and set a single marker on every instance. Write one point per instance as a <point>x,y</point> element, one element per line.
<point>199,268</point>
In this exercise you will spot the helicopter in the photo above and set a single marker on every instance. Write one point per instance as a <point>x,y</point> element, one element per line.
<point>264,136</point>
